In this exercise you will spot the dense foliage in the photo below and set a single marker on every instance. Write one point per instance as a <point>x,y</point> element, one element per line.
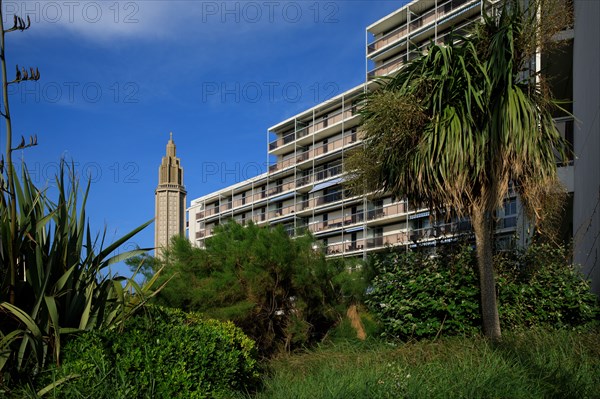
<point>281,291</point>
<point>540,287</point>
<point>62,284</point>
<point>459,122</point>
<point>420,296</point>
<point>167,354</point>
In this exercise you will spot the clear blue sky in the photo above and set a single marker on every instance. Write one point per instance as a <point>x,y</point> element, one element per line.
<point>118,76</point>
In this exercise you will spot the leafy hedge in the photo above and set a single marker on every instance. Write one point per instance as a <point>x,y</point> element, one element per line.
<point>171,354</point>
<point>418,296</point>
<point>541,287</point>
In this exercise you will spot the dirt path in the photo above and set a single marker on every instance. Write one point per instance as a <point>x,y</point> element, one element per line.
<point>356,323</point>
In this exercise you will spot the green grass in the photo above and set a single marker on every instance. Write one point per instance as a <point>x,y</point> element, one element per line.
<point>531,364</point>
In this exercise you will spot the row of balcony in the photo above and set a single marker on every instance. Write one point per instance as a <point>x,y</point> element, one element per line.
<point>411,237</point>
<point>416,22</point>
<point>313,127</point>
<point>321,149</point>
<point>302,205</point>
<point>313,177</point>
<point>415,51</point>
<point>395,209</point>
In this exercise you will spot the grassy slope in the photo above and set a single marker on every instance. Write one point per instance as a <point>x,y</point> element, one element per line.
<point>532,364</point>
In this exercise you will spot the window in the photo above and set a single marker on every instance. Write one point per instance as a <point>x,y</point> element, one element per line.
<point>510,214</point>
<point>332,194</point>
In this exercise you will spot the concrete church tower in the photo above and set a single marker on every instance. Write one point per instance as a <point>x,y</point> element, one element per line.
<point>169,200</point>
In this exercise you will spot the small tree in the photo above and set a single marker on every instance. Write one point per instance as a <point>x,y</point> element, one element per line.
<point>279,290</point>
<point>456,125</point>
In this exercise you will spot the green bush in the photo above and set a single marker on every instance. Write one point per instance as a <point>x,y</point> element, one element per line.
<point>539,286</point>
<point>415,295</point>
<point>418,296</point>
<point>170,354</point>
<point>277,289</point>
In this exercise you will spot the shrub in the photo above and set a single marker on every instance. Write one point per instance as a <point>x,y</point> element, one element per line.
<point>415,295</point>
<point>540,286</point>
<point>279,290</point>
<point>65,285</point>
<point>170,354</point>
<point>418,296</point>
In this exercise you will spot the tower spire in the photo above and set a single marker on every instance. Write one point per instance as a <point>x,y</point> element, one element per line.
<point>170,199</point>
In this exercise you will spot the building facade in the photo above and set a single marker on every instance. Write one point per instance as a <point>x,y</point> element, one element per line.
<point>302,188</point>
<point>170,200</point>
<point>585,85</point>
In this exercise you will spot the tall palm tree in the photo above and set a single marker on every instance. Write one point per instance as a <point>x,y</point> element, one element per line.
<point>457,124</point>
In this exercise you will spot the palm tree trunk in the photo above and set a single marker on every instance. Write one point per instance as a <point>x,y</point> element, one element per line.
<point>482,225</point>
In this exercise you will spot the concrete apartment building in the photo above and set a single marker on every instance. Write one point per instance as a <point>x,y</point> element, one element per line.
<point>303,188</point>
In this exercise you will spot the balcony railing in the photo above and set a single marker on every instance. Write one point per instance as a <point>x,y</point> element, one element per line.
<point>319,175</point>
<point>336,223</point>
<point>347,139</point>
<point>411,53</point>
<point>368,243</point>
<point>330,198</point>
<point>387,210</point>
<point>415,23</point>
<point>283,211</point>
<point>440,231</point>
<point>312,127</point>
<point>281,141</point>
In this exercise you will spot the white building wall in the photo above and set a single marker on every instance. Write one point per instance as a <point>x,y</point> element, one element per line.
<point>586,108</point>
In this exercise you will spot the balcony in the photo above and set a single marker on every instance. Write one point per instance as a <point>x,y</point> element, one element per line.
<point>418,49</point>
<point>416,23</point>
<point>283,211</point>
<point>260,217</point>
<point>387,211</point>
<point>336,223</point>
<point>281,141</point>
<point>311,128</point>
<point>361,244</point>
<point>439,231</point>
<point>330,198</point>
<point>349,138</point>
<point>280,188</point>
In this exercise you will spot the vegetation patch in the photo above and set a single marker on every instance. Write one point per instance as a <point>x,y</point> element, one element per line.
<point>168,354</point>
<point>529,364</point>
<point>419,296</point>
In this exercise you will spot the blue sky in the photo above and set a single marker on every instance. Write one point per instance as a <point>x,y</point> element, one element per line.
<point>118,76</point>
